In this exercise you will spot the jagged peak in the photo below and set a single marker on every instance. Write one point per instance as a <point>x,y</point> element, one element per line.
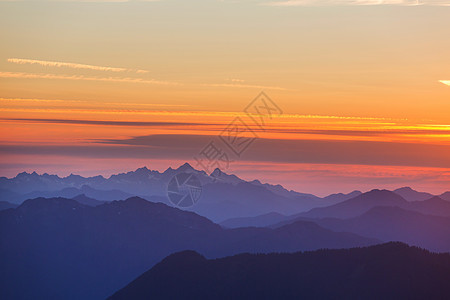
<point>186,166</point>
<point>217,172</point>
<point>184,257</point>
<point>144,168</point>
<point>74,176</point>
<point>405,188</point>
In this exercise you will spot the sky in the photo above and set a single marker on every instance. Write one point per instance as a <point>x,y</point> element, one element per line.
<point>356,93</point>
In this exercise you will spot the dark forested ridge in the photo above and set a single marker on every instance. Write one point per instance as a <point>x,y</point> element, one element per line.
<point>388,271</point>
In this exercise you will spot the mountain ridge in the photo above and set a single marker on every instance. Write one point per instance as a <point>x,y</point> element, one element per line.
<point>107,245</point>
<point>386,271</point>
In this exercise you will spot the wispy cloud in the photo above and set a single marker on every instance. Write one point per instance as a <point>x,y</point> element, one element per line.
<point>105,123</point>
<point>446,82</point>
<point>59,64</point>
<point>357,2</point>
<point>27,101</point>
<point>236,80</point>
<point>79,77</point>
<point>237,85</point>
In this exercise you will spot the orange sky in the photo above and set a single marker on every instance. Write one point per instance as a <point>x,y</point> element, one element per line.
<point>106,87</point>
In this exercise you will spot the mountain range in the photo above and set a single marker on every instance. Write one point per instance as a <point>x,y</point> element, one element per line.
<point>76,238</point>
<point>224,196</point>
<point>49,244</point>
<point>350,208</point>
<point>379,214</point>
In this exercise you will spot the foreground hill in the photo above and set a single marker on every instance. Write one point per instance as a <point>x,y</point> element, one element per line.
<point>61,249</point>
<point>388,271</point>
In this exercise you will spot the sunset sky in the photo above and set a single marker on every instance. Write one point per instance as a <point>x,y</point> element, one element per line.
<point>104,87</point>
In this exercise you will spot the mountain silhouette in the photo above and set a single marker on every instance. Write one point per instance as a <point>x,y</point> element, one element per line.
<point>412,195</point>
<point>49,244</point>
<point>388,271</point>
<point>340,197</point>
<point>357,205</point>
<point>347,209</point>
<point>397,224</point>
<point>364,202</point>
<point>5,205</point>
<point>83,199</point>
<point>224,196</point>
<point>258,221</point>
<point>434,206</point>
<point>445,196</point>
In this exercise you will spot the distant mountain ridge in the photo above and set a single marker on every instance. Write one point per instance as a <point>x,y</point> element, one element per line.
<point>224,195</point>
<point>396,224</point>
<point>350,208</point>
<point>6,205</point>
<point>412,195</point>
<point>364,202</point>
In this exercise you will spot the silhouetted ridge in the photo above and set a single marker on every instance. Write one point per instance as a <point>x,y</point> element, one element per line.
<point>83,252</point>
<point>83,199</point>
<point>186,257</point>
<point>49,203</point>
<point>185,167</point>
<point>357,205</point>
<point>412,195</point>
<point>389,271</point>
<point>136,201</point>
<point>435,199</point>
<point>6,205</point>
<point>377,194</point>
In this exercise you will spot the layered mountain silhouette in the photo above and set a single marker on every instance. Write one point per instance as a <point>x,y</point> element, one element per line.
<point>412,195</point>
<point>349,209</point>
<point>59,248</point>
<point>388,271</point>
<point>358,205</point>
<point>364,202</point>
<point>84,238</point>
<point>397,224</point>
<point>5,205</point>
<point>258,221</point>
<point>224,195</point>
